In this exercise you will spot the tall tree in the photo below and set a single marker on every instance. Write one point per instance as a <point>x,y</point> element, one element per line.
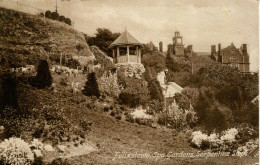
<point>43,78</point>
<point>91,86</point>
<point>103,38</point>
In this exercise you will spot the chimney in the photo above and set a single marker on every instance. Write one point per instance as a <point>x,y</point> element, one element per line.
<point>244,48</point>
<point>161,46</point>
<point>213,49</point>
<point>219,47</point>
<point>190,48</point>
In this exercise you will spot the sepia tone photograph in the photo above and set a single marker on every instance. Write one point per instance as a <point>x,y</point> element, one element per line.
<point>129,82</point>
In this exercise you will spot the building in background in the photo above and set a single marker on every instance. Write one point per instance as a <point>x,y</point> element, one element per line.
<point>178,47</point>
<point>232,56</point>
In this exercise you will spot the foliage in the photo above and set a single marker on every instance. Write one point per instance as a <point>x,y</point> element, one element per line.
<point>131,70</point>
<point>102,58</point>
<point>231,88</point>
<point>154,60</point>
<point>198,137</point>
<point>155,90</point>
<point>228,141</point>
<point>181,78</point>
<point>91,86</point>
<point>192,94</point>
<point>171,64</point>
<point>103,38</point>
<point>11,119</point>
<point>73,63</point>
<point>250,114</point>
<point>15,151</point>
<point>108,84</point>
<point>56,16</point>
<point>208,111</point>
<point>155,107</point>
<point>149,48</point>
<point>8,91</point>
<point>134,91</point>
<point>43,78</point>
<point>181,116</point>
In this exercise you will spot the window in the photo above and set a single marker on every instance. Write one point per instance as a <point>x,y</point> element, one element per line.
<point>232,58</point>
<point>234,65</point>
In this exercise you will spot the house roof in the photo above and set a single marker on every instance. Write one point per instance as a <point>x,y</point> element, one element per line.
<point>125,39</point>
<point>229,49</point>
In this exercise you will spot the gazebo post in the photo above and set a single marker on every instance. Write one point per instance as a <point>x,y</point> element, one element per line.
<point>113,52</point>
<point>117,56</point>
<point>137,54</point>
<point>127,53</point>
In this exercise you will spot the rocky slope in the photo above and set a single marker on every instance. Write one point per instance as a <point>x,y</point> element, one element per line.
<point>27,38</point>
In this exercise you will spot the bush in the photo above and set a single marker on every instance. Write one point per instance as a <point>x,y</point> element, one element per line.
<point>48,14</point>
<point>134,91</point>
<point>108,84</point>
<point>91,86</point>
<point>55,16</point>
<point>68,21</point>
<point>15,151</point>
<point>43,78</point>
<point>129,99</point>
<point>155,90</point>
<point>62,18</point>
<point>11,119</point>
<point>8,92</point>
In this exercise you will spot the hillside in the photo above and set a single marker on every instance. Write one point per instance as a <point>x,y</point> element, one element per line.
<point>28,38</point>
<point>88,128</point>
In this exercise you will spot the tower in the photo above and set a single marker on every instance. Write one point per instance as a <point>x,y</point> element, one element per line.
<point>178,47</point>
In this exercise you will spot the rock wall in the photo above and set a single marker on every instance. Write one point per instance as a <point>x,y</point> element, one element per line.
<point>131,70</point>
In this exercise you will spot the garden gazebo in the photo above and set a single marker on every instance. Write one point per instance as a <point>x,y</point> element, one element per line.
<point>126,49</point>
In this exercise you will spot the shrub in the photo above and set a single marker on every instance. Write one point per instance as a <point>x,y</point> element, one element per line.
<point>198,137</point>
<point>155,90</point>
<point>43,78</point>
<point>48,14</point>
<point>73,63</point>
<point>129,99</point>
<point>15,151</point>
<point>134,91</point>
<point>8,92</point>
<point>154,107</point>
<point>11,119</point>
<point>62,18</point>
<point>68,21</point>
<point>91,86</point>
<point>108,84</point>
<point>55,16</point>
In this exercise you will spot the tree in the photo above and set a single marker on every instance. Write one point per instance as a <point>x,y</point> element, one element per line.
<point>103,38</point>
<point>8,92</point>
<point>43,78</point>
<point>91,86</point>
<point>155,90</point>
<point>62,19</point>
<point>68,21</point>
<point>55,16</point>
<point>48,14</point>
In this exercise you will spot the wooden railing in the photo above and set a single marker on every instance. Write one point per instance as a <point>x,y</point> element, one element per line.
<point>123,59</point>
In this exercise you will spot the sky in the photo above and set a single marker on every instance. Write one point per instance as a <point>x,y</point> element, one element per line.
<point>202,23</point>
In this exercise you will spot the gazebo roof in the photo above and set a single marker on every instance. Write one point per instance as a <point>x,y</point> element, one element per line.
<point>125,39</point>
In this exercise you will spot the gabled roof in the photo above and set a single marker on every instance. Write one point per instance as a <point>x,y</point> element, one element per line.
<point>229,49</point>
<point>125,39</point>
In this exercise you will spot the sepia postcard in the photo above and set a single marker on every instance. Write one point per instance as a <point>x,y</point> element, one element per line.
<point>129,82</point>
